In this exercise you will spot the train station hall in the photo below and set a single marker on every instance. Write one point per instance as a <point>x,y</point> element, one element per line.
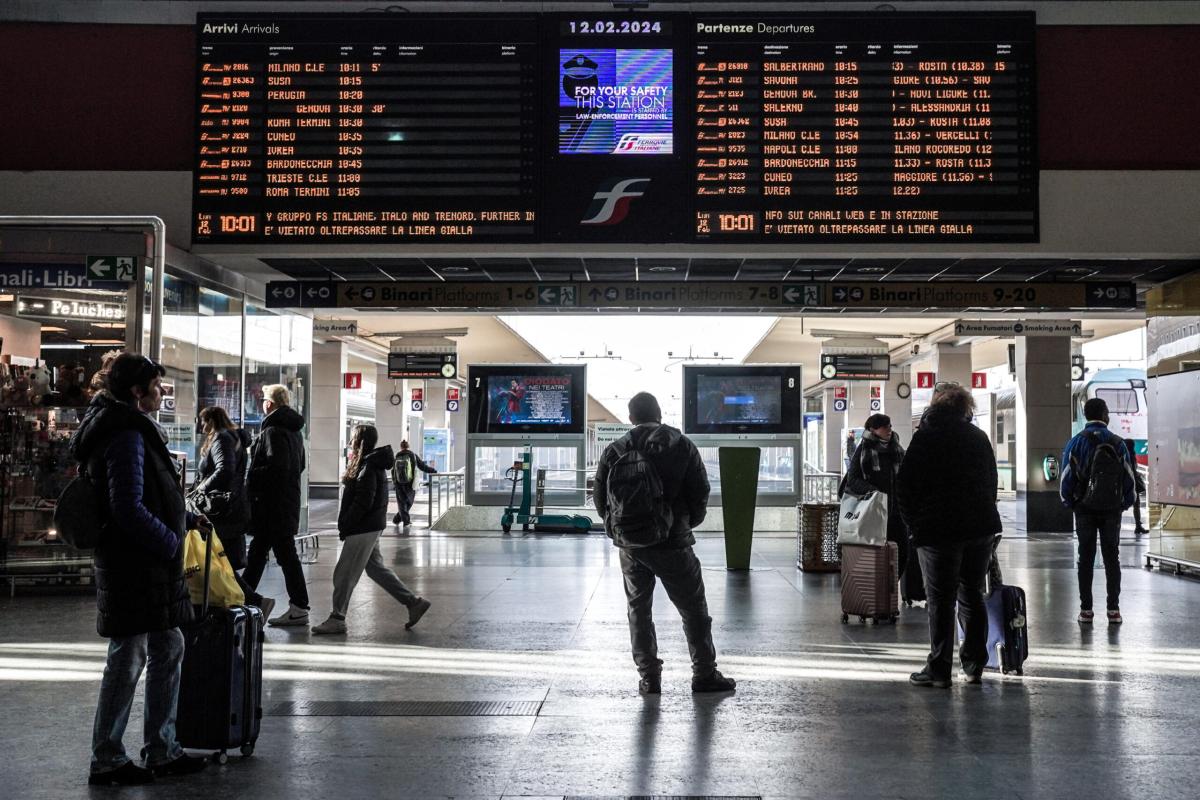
<point>483,400</point>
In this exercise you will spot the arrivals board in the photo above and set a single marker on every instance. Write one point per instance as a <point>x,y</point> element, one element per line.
<point>396,128</point>
<point>865,128</point>
<point>615,128</point>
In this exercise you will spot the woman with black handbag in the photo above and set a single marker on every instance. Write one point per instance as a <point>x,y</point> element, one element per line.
<point>220,491</point>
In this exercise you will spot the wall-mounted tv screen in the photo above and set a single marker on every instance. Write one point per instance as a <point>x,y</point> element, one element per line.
<point>749,399</point>
<point>1174,454</point>
<point>516,398</point>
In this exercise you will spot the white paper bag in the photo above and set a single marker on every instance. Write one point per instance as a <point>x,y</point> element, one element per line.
<point>863,520</point>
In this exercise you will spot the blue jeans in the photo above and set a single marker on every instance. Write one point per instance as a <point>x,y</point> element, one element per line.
<point>127,656</point>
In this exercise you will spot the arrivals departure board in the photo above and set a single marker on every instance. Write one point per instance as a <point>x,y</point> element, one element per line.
<point>616,128</point>
<point>865,128</point>
<point>396,128</point>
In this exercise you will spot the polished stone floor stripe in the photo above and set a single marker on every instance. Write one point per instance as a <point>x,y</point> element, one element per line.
<point>404,708</point>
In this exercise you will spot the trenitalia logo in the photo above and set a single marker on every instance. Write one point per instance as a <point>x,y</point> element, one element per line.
<point>610,204</point>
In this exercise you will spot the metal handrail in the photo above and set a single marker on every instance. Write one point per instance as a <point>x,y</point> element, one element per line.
<point>448,487</point>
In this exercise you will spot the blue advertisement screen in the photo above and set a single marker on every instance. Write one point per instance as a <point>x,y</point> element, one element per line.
<point>750,399</point>
<point>529,399</point>
<point>615,101</point>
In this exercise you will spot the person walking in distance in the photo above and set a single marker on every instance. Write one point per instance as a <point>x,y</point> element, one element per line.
<point>404,473</point>
<point>946,492</point>
<point>1098,483</point>
<point>1140,491</point>
<point>273,484</point>
<point>651,489</point>
<point>141,595</point>
<point>362,517</point>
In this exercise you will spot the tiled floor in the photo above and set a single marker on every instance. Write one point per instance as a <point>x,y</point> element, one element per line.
<point>822,709</point>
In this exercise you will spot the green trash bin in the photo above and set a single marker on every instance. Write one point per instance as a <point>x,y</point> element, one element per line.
<point>739,498</point>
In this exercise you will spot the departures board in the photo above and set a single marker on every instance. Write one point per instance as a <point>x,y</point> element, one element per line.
<point>805,128</point>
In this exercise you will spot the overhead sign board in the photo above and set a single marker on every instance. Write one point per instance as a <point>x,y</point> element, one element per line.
<point>853,367</point>
<point>1036,327</point>
<point>59,308</point>
<point>442,366</point>
<point>418,399</point>
<point>52,276</point>
<point>112,268</point>
<point>335,327</point>
<point>697,294</point>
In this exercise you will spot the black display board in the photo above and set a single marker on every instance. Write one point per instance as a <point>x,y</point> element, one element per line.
<point>526,398</point>
<point>747,400</point>
<point>807,128</point>
<point>399,128</point>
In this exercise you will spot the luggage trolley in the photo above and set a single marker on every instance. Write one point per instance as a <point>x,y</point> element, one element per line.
<point>531,511</point>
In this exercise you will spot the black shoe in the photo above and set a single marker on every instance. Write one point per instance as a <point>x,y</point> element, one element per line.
<point>923,678</point>
<point>714,682</point>
<point>972,677</point>
<point>128,774</point>
<point>650,685</point>
<point>396,520</point>
<point>184,765</point>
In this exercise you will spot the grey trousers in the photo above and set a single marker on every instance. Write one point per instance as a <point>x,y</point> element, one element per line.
<point>360,552</point>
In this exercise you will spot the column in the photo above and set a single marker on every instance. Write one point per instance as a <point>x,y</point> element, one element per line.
<point>832,428</point>
<point>1043,428</point>
<point>327,414</point>
<point>859,407</point>
<point>953,363</point>
<point>897,407</point>
<point>389,419</point>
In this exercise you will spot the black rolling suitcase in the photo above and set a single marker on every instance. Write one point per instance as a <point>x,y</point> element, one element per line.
<point>220,692</point>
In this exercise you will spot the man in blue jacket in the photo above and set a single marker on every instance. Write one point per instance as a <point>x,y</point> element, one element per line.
<point>1098,483</point>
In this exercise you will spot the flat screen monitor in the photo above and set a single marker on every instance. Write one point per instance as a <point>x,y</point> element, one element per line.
<point>748,399</point>
<point>541,398</point>
<point>1174,454</point>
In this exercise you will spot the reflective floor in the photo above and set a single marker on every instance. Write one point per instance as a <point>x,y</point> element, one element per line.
<point>822,710</point>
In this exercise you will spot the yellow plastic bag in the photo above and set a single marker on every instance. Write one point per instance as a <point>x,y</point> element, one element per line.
<point>223,589</point>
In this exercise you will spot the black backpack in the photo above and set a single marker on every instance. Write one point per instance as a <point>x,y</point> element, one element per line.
<point>79,513</point>
<point>1102,478</point>
<point>638,513</point>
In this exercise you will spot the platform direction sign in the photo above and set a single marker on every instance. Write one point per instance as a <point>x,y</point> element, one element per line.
<point>698,294</point>
<point>1025,327</point>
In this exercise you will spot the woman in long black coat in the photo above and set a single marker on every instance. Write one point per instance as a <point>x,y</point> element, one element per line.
<point>224,455</point>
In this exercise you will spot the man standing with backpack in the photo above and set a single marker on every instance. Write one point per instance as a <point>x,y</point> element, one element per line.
<point>404,475</point>
<point>651,489</point>
<point>1098,483</point>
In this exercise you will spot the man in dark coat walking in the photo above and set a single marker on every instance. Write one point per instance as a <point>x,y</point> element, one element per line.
<point>273,484</point>
<point>141,595</point>
<point>685,489</point>
<point>946,490</point>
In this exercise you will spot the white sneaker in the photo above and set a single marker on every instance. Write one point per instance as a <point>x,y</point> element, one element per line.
<point>293,617</point>
<point>331,625</point>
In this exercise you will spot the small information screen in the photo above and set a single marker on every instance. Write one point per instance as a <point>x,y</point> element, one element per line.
<point>865,128</point>
<point>397,128</point>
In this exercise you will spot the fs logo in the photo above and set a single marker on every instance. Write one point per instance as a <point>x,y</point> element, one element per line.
<point>610,205</point>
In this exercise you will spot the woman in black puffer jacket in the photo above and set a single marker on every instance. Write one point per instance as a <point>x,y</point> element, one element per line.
<point>224,456</point>
<point>362,517</point>
<point>874,467</point>
<point>946,490</point>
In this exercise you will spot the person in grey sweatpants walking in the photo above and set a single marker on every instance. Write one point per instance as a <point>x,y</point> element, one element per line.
<point>362,517</point>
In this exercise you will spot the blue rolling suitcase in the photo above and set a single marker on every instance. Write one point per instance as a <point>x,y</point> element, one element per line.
<point>220,693</point>
<point>1008,633</point>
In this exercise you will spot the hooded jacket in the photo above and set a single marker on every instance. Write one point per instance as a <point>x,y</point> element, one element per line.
<point>139,558</point>
<point>223,469</point>
<point>680,468</point>
<point>946,487</point>
<point>365,498</point>
<point>273,478</point>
